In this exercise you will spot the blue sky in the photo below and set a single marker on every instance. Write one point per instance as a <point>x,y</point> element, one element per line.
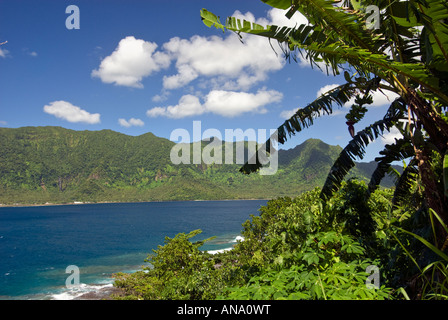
<point>153,66</point>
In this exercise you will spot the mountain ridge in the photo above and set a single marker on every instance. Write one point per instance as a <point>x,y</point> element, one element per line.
<point>59,165</point>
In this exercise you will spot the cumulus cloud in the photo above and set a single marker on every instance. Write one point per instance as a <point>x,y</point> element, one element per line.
<point>231,103</point>
<point>131,122</point>
<point>221,102</point>
<point>66,111</point>
<point>220,62</point>
<point>232,64</point>
<point>189,105</point>
<point>228,63</point>
<point>131,61</point>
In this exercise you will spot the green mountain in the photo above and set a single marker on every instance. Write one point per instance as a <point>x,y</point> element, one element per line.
<point>57,165</point>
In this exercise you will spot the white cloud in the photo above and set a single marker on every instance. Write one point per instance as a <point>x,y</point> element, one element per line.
<point>325,89</point>
<point>131,61</point>
<point>161,97</point>
<point>157,112</point>
<point>385,97</point>
<point>3,53</point>
<point>389,138</point>
<point>131,122</point>
<point>188,105</point>
<point>65,110</point>
<point>277,17</point>
<point>185,76</point>
<point>380,98</point>
<point>233,65</point>
<point>231,103</point>
<point>224,103</point>
<point>225,63</point>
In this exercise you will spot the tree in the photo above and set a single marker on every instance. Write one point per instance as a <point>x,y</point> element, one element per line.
<point>405,51</point>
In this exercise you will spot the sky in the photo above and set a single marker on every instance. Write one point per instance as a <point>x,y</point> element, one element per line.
<point>138,66</point>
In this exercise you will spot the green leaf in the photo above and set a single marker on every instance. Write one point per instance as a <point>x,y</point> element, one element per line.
<point>311,257</point>
<point>353,248</point>
<point>426,243</point>
<point>210,19</point>
<point>404,293</point>
<point>402,15</point>
<point>280,4</point>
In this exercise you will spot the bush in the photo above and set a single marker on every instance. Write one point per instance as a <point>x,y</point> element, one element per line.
<point>301,248</point>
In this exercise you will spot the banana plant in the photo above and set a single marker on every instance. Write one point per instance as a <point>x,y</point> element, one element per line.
<point>406,52</point>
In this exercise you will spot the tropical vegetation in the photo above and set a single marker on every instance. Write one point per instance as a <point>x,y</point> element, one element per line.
<point>406,54</point>
<point>304,248</point>
<point>324,243</point>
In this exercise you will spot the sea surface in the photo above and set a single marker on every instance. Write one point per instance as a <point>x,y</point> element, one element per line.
<point>41,246</point>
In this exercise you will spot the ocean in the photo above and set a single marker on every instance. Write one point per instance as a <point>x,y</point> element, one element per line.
<point>39,245</point>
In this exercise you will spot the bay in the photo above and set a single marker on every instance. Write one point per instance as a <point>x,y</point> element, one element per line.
<point>38,243</point>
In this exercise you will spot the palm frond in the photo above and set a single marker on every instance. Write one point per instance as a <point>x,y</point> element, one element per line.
<point>356,148</point>
<point>304,118</point>
<point>400,150</point>
<point>366,62</point>
<point>405,183</point>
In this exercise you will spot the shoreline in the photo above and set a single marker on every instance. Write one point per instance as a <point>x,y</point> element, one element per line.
<point>49,204</point>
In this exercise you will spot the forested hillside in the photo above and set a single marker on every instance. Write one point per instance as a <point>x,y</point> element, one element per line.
<point>57,165</point>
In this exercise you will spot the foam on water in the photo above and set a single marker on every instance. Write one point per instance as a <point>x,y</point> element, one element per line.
<point>78,291</point>
<point>234,240</point>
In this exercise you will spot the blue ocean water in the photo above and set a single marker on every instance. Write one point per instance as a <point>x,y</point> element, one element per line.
<point>38,243</point>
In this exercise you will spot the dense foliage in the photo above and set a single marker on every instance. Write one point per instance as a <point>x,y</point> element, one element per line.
<point>57,165</point>
<point>404,51</point>
<point>303,248</point>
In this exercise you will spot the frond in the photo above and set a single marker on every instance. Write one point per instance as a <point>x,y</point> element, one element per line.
<point>366,62</point>
<point>400,150</point>
<point>356,147</point>
<point>304,118</point>
<point>404,185</point>
<point>338,24</point>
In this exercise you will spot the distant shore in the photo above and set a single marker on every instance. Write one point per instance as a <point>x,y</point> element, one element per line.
<point>100,202</point>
